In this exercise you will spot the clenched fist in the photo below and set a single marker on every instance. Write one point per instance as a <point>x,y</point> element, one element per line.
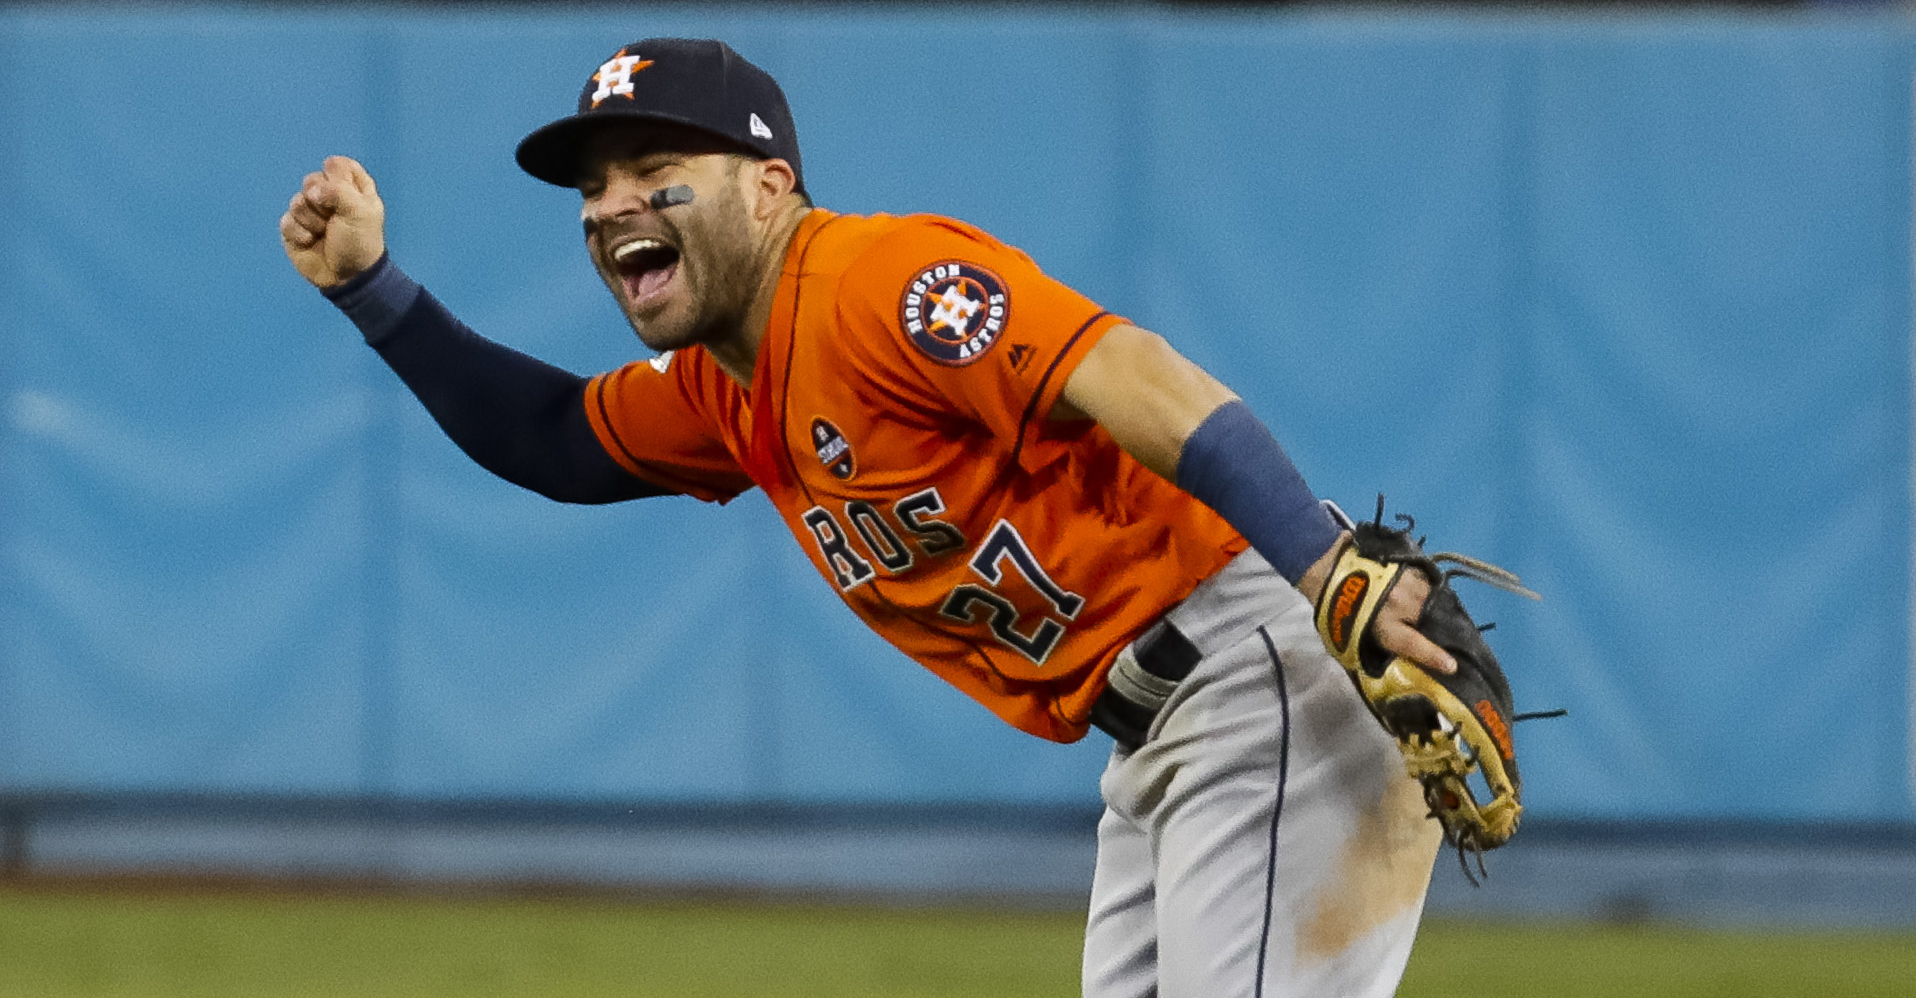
<point>335,226</point>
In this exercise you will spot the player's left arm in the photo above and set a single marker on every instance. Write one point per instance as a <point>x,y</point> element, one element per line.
<point>1185,425</point>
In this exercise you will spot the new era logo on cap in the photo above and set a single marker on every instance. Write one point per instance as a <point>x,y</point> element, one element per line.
<point>759,127</point>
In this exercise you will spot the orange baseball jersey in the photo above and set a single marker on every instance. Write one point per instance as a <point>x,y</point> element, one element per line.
<point>897,420</point>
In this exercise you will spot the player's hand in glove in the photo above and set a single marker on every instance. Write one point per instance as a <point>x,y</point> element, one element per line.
<point>335,227</point>
<point>1451,716</point>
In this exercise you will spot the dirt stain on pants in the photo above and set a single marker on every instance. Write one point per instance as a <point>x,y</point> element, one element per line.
<point>1383,872</point>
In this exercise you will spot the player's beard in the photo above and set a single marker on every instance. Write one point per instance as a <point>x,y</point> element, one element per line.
<point>717,268</point>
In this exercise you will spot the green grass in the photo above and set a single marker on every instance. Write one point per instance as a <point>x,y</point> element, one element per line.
<point>1573,961</point>
<point>263,946</point>
<point>137,944</point>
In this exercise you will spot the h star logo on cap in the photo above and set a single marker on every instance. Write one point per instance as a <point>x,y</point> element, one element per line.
<point>615,77</point>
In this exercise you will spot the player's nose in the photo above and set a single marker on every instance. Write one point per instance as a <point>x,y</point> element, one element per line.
<point>618,197</point>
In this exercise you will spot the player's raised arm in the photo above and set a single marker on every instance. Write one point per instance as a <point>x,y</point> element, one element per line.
<point>519,418</point>
<point>1183,424</point>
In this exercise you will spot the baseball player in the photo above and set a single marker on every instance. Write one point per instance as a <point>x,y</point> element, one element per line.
<point>1042,503</point>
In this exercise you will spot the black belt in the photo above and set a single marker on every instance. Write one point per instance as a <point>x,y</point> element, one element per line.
<point>1141,681</point>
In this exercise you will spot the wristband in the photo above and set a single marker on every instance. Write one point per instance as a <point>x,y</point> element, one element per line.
<point>1232,464</point>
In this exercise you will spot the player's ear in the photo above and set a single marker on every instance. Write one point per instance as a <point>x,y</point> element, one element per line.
<point>771,181</point>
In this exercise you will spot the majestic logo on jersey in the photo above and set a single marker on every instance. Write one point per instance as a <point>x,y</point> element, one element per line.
<point>615,77</point>
<point>833,452</point>
<point>954,311</point>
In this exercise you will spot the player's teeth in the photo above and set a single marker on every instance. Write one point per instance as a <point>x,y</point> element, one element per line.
<point>633,247</point>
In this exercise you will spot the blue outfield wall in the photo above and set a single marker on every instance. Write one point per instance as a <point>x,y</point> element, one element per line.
<point>1622,303</point>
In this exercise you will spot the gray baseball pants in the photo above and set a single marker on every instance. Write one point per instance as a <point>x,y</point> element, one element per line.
<point>1265,840</point>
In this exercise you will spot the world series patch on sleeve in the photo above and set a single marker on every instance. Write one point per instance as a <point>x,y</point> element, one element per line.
<point>1447,726</point>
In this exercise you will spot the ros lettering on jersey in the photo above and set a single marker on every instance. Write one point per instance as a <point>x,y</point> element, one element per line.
<point>852,567</point>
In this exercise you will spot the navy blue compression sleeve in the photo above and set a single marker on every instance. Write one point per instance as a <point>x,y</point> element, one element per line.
<point>1232,464</point>
<point>520,418</point>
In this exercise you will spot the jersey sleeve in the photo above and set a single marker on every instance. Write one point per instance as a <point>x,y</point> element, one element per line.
<point>942,310</point>
<point>660,419</point>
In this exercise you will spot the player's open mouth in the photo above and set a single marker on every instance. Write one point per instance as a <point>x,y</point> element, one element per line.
<point>645,266</point>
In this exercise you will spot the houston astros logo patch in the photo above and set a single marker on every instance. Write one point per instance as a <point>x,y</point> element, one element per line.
<point>954,311</point>
<point>833,451</point>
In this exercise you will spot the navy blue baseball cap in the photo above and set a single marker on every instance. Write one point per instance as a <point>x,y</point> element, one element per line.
<point>697,83</point>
